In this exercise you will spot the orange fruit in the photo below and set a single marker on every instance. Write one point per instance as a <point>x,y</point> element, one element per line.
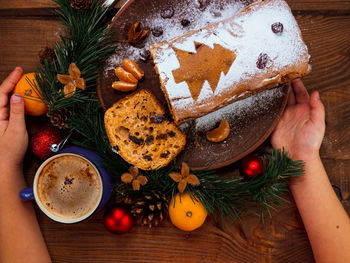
<point>33,105</point>
<point>187,213</point>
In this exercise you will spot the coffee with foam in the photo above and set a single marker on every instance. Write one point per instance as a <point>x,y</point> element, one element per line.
<point>69,188</point>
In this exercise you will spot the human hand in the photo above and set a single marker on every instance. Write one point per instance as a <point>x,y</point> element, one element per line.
<point>13,133</point>
<point>302,126</point>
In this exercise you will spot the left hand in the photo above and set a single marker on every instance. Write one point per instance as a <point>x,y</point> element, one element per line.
<point>13,133</point>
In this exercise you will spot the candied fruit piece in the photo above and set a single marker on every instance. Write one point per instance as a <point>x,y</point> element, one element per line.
<point>262,61</point>
<point>277,28</point>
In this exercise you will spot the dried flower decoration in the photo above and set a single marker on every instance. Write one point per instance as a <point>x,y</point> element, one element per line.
<point>71,81</point>
<point>136,34</point>
<point>184,178</point>
<point>134,177</point>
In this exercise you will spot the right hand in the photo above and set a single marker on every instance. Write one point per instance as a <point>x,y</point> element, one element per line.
<point>302,126</point>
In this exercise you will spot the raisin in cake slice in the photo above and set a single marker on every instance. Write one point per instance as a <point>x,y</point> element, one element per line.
<point>136,126</point>
<point>204,70</point>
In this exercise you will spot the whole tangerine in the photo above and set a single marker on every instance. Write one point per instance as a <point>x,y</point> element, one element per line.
<point>33,104</point>
<point>187,212</point>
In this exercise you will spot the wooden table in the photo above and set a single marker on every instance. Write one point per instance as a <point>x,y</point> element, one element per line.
<point>26,26</point>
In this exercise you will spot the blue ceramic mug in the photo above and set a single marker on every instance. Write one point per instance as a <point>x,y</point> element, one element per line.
<point>104,178</point>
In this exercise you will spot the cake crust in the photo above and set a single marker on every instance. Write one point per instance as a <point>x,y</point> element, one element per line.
<point>204,70</point>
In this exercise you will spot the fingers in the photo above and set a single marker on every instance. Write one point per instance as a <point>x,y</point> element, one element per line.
<point>3,99</point>
<point>3,126</point>
<point>317,113</point>
<point>301,94</point>
<point>10,82</point>
<point>5,88</point>
<point>4,114</point>
<point>291,96</point>
<point>17,119</point>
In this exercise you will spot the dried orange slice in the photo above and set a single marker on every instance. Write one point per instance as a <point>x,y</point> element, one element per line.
<point>220,133</point>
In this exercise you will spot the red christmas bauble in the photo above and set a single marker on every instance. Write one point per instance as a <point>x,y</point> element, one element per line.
<point>118,220</point>
<point>41,142</point>
<point>252,166</point>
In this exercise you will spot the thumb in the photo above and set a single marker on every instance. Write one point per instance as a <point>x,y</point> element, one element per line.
<point>317,113</point>
<point>17,119</point>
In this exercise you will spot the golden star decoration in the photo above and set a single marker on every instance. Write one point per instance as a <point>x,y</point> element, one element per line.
<point>134,177</point>
<point>205,64</point>
<point>184,178</point>
<point>71,81</point>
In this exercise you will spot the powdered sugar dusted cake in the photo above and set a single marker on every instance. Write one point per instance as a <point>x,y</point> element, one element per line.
<point>223,62</point>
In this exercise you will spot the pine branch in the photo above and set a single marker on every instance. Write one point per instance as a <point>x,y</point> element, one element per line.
<point>234,196</point>
<point>87,43</point>
<point>269,189</point>
<point>88,123</point>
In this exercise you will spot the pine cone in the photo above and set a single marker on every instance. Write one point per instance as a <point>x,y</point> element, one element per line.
<point>123,199</point>
<point>47,53</point>
<point>59,118</point>
<point>81,4</point>
<point>151,209</point>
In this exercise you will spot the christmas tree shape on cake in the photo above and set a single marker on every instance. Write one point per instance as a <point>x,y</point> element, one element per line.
<point>205,64</point>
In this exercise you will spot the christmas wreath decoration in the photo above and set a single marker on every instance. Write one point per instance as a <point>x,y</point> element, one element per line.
<point>66,81</point>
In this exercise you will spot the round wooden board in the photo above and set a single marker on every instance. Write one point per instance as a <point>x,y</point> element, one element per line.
<point>253,120</point>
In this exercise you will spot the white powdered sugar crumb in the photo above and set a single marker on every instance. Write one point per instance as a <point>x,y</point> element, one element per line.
<point>172,28</point>
<point>235,110</point>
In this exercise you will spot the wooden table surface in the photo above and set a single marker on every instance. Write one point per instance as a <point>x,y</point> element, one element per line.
<point>26,26</point>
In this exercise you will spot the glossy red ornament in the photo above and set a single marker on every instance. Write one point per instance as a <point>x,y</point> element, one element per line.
<point>252,166</point>
<point>41,142</point>
<point>118,220</point>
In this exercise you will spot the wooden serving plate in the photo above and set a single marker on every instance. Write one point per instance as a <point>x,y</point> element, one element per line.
<point>252,120</point>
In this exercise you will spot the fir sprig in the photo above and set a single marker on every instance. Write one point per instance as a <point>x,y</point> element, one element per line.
<point>232,197</point>
<point>86,42</point>
<point>88,124</point>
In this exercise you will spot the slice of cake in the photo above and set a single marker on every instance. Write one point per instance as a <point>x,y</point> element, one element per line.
<point>223,62</point>
<point>137,127</point>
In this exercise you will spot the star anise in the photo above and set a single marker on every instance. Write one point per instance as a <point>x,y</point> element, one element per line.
<point>184,178</point>
<point>134,177</point>
<point>71,81</point>
<point>136,34</point>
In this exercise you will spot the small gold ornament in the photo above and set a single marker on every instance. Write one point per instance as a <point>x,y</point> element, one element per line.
<point>184,178</point>
<point>71,81</point>
<point>134,177</point>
